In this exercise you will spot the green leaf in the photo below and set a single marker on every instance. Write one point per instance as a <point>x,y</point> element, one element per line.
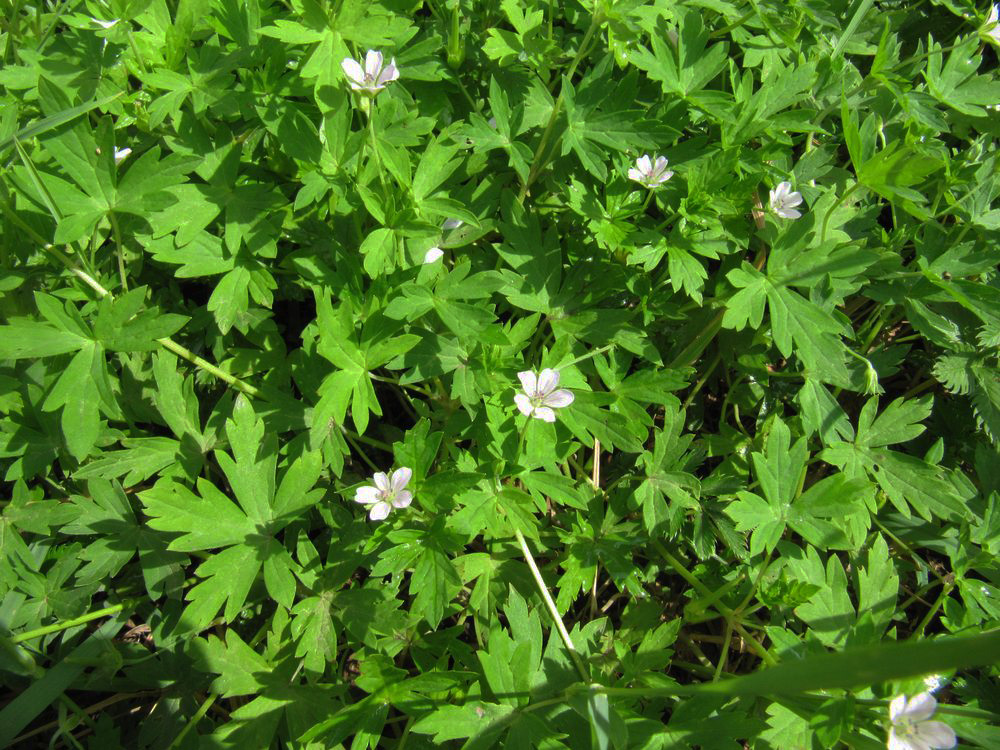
<point>473,719</point>
<point>27,339</point>
<point>205,522</point>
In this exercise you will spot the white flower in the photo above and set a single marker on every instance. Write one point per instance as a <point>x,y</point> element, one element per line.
<point>783,200</point>
<point>105,24</point>
<point>912,728</point>
<point>991,29</point>
<point>121,154</point>
<point>432,255</point>
<point>540,394</point>
<point>649,174</point>
<point>373,77</point>
<point>388,493</point>
<point>451,224</point>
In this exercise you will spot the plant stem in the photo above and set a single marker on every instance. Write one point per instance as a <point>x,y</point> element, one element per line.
<point>551,605</point>
<point>537,162</point>
<point>198,715</point>
<point>67,624</point>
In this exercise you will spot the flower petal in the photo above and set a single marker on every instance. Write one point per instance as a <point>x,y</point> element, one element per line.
<point>523,404</point>
<point>544,413</point>
<point>353,71</point>
<point>920,707</point>
<point>400,478</point>
<point>661,164</point>
<point>936,734</point>
<point>529,382</point>
<point>793,199</point>
<point>548,381</point>
<point>389,73</point>
<point>644,165</point>
<point>402,499</point>
<point>897,743</point>
<point>788,213</point>
<point>367,495</point>
<point>559,398</point>
<point>452,224</point>
<point>433,254</point>
<point>373,64</point>
<point>382,481</point>
<point>635,174</point>
<point>379,511</point>
<point>897,707</point>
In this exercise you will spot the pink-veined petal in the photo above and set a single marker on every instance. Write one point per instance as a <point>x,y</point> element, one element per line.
<point>529,382</point>
<point>920,707</point>
<point>896,742</point>
<point>523,404</point>
<point>793,199</point>
<point>896,707</point>
<point>401,477</point>
<point>937,734</point>
<point>379,511</point>
<point>367,495</point>
<point>382,481</point>
<point>352,69</point>
<point>783,189</point>
<point>788,213</point>
<point>661,165</point>
<point>402,499</point>
<point>544,413</point>
<point>559,398</point>
<point>664,177</point>
<point>644,164</point>
<point>389,73</point>
<point>373,64</point>
<point>635,174</point>
<point>548,381</point>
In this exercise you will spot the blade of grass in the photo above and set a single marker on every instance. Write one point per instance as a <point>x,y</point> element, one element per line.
<point>54,121</point>
<point>21,711</point>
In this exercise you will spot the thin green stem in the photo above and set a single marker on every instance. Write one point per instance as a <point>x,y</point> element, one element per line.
<point>67,624</point>
<point>537,162</point>
<point>193,721</point>
<point>734,25</point>
<point>834,207</point>
<point>185,353</point>
<point>701,381</point>
<point>588,355</point>
<point>360,452</point>
<point>690,353</point>
<point>116,233</point>
<point>581,668</point>
<point>944,593</point>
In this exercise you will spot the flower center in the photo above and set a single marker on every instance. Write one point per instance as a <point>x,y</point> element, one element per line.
<point>905,728</point>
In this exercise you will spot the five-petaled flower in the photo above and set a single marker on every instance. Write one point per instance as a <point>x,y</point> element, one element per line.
<point>373,77</point>
<point>912,728</point>
<point>784,200</point>
<point>388,493</point>
<point>991,29</point>
<point>540,395</point>
<point>648,173</point>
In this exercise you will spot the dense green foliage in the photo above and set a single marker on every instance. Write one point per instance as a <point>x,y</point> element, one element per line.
<point>240,277</point>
